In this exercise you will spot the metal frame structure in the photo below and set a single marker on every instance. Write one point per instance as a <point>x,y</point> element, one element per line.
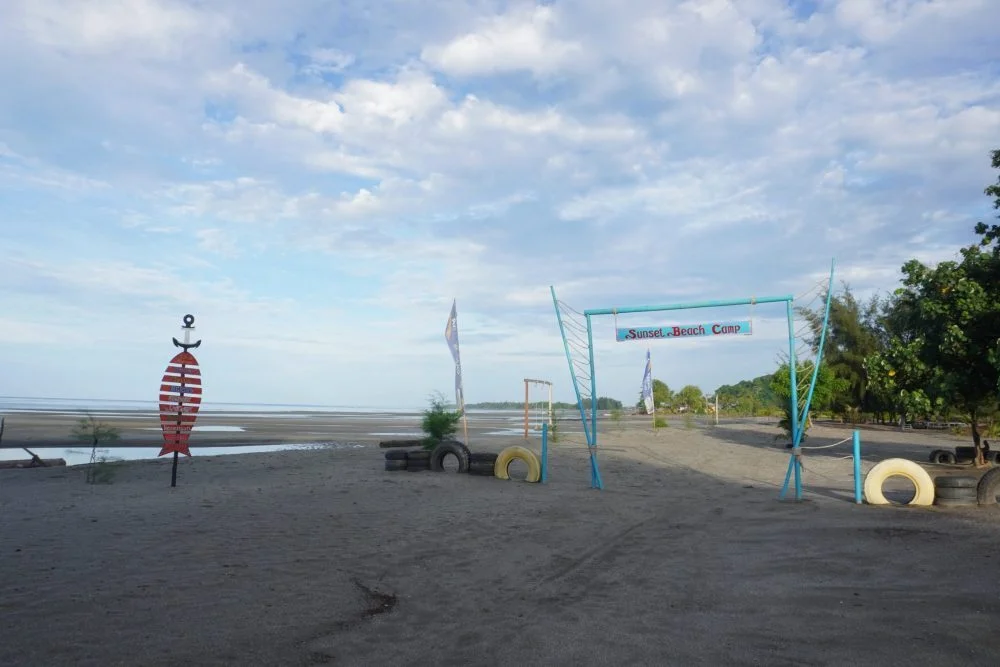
<point>798,418</point>
<point>527,401</point>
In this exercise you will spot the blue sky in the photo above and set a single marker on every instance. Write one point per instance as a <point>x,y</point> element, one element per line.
<point>316,181</point>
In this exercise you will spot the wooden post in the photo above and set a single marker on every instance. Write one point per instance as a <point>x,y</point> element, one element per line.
<point>526,409</point>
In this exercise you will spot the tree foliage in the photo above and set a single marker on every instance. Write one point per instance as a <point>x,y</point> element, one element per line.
<point>943,348</point>
<point>827,387</point>
<point>752,398</point>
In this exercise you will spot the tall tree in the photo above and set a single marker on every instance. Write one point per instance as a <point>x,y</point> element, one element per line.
<point>952,320</point>
<point>852,335</point>
<point>692,398</point>
<point>990,238</point>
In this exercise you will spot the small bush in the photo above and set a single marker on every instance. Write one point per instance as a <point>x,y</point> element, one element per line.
<point>554,427</point>
<point>438,422</point>
<point>660,422</point>
<point>102,471</point>
<point>88,429</point>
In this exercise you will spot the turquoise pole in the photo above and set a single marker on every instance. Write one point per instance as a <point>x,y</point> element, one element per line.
<point>595,473</point>
<point>819,358</point>
<point>793,463</point>
<point>686,306</point>
<point>569,360</point>
<point>857,468</point>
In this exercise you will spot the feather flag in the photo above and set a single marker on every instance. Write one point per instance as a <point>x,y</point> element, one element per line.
<point>647,385</point>
<point>451,336</point>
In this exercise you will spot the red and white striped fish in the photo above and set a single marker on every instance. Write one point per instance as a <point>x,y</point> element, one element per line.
<point>180,398</point>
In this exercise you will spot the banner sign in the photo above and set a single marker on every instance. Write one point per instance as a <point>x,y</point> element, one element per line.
<point>684,331</point>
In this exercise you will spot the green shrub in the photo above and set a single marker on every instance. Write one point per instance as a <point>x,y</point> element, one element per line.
<point>438,422</point>
<point>660,422</point>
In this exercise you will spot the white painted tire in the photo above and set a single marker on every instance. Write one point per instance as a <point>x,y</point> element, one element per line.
<point>919,477</point>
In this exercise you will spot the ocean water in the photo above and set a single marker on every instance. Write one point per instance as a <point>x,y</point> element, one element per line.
<point>105,408</point>
<point>79,455</point>
<point>76,405</point>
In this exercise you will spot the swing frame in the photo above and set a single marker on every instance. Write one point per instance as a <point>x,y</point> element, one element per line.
<point>527,396</point>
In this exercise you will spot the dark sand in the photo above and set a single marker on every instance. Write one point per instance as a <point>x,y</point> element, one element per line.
<point>142,428</point>
<point>686,558</point>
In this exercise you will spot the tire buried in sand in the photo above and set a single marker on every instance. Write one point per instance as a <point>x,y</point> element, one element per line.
<point>395,465</point>
<point>453,447</point>
<point>482,463</point>
<point>943,456</point>
<point>906,469</point>
<point>395,455</point>
<point>989,488</point>
<point>501,469</point>
<point>953,493</point>
<point>955,482</point>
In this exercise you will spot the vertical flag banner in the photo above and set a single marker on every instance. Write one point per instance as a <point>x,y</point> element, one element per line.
<point>647,385</point>
<point>451,336</point>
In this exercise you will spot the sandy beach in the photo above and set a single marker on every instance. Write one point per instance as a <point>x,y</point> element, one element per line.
<point>322,557</point>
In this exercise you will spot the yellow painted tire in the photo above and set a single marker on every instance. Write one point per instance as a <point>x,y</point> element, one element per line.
<point>919,477</point>
<point>506,457</point>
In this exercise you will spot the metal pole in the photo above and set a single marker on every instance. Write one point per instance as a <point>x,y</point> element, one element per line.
<point>716,408</point>
<point>793,462</point>
<point>857,468</point>
<point>569,361</point>
<point>686,306</point>
<point>595,474</point>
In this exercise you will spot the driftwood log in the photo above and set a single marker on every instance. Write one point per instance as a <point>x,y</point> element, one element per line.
<point>32,463</point>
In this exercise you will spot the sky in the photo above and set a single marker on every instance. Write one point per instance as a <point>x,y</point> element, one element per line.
<point>317,181</point>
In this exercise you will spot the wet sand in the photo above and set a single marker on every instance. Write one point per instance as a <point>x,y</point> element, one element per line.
<point>222,429</point>
<point>322,557</point>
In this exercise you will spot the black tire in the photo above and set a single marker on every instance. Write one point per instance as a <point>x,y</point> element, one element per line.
<point>989,487</point>
<point>965,453</point>
<point>416,467</point>
<point>418,455</point>
<point>951,493</point>
<point>457,449</point>
<point>481,472</point>
<point>481,468</point>
<point>993,457</point>
<point>395,455</point>
<point>483,457</point>
<point>459,443</point>
<point>933,456</point>
<point>956,482</point>
<point>395,465</point>
<point>946,457</point>
<point>954,502</point>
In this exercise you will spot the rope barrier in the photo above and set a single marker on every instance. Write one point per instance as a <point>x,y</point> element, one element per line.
<point>826,446</point>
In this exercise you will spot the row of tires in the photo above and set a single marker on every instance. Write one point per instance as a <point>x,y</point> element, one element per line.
<point>485,464</point>
<point>963,454</point>
<point>944,491</point>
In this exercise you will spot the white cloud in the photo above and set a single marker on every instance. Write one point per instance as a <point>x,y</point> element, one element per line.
<point>327,60</point>
<point>258,163</point>
<point>155,28</point>
<point>522,40</point>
